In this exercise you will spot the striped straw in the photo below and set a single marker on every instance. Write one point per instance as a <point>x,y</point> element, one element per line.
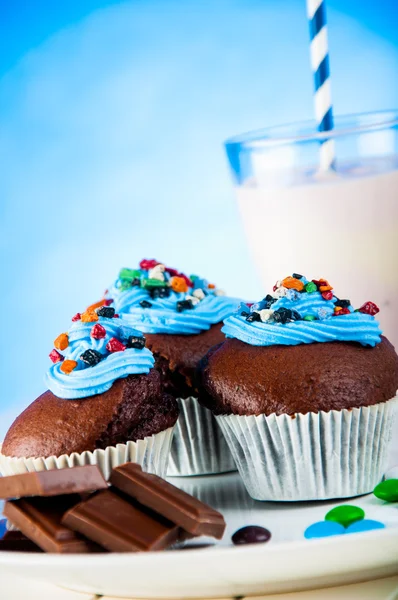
<point>316,11</point>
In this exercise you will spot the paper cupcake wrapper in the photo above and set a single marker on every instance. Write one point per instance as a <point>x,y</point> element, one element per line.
<point>313,456</point>
<point>198,447</point>
<point>152,453</point>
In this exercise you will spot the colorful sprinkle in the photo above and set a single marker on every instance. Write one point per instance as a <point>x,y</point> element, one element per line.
<point>91,357</point>
<point>68,366</point>
<point>108,302</point>
<point>327,295</point>
<point>338,311</point>
<point>62,341</point>
<point>89,316</point>
<point>146,264</point>
<point>364,525</point>
<point>98,304</point>
<point>310,287</point>
<point>387,490</point>
<point>291,283</point>
<point>346,514</point>
<point>145,304</point>
<point>136,342</point>
<point>323,529</point>
<point>76,317</point>
<point>252,534</point>
<point>178,284</point>
<point>184,305</point>
<point>98,332</point>
<point>55,356</point>
<point>369,308</point>
<point>114,345</point>
<point>107,312</point>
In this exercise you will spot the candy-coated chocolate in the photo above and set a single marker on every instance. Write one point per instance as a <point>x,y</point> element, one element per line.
<point>346,514</point>
<point>364,525</point>
<point>387,490</point>
<point>252,534</point>
<point>323,529</point>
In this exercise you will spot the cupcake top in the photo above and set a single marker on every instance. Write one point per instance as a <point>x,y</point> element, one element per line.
<point>157,299</point>
<point>98,349</point>
<point>302,311</point>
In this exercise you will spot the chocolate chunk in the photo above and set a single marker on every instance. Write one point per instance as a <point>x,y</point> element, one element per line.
<point>252,534</point>
<point>119,525</point>
<point>15,541</point>
<point>52,483</point>
<point>167,500</point>
<point>40,520</point>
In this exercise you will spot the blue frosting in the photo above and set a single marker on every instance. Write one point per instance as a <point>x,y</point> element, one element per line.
<point>163,316</point>
<point>326,326</point>
<point>87,380</point>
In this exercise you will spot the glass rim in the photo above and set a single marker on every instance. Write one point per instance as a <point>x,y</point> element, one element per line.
<point>307,130</point>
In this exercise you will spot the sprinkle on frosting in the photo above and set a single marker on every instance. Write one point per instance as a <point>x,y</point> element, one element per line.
<point>160,299</point>
<point>300,311</point>
<point>98,349</point>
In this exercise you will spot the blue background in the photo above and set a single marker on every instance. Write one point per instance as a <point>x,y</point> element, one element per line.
<point>112,119</point>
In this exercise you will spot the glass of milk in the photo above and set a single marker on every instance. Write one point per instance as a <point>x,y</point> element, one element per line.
<point>341,225</point>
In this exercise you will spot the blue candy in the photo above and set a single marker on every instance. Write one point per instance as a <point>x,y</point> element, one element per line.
<point>364,525</point>
<point>323,529</point>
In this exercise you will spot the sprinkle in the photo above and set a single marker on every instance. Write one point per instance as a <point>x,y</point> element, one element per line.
<point>211,286</point>
<point>328,295</point>
<point>172,272</point>
<point>322,285</point>
<point>145,304</point>
<point>310,287</point>
<point>253,316</point>
<point>265,314</point>
<point>159,292</point>
<point>341,311</point>
<point>178,284</point>
<point>76,317</point>
<point>114,345</point>
<point>91,357</point>
<point>129,274</point>
<point>136,342</point>
<point>285,315</point>
<point>184,305</point>
<point>92,307</point>
<point>157,272</point>
<point>369,308</point>
<point>199,293</point>
<point>309,318</point>
<point>56,356</point>
<point>62,341</point>
<point>152,283</point>
<point>89,316</point>
<point>98,332</point>
<point>146,263</point>
<point>116,316</point>
<point>343,303</point>
<point>192,299</point>
<point>280,292</point>
<point>68,366</point>
<point>277,286</point>
<point>108,302</point>
<point>297,276</point>
<point>106,311</point>
<point>292,283</point>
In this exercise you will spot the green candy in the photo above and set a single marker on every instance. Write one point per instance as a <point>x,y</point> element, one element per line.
<point>129,274</point>
<point>151,283</point>
<point>387,490</point>
<point>345,514</point>
<point>310,287</point>
<point>309,318</point>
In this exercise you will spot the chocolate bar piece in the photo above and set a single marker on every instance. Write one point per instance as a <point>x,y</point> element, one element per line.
<point>15,541</point>
<point>119,525</point>
<point>55,482</point>
<point>40,520</point>
<point>167,500</point>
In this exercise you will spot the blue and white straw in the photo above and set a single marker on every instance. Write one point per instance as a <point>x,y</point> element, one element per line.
<point>316,11</point>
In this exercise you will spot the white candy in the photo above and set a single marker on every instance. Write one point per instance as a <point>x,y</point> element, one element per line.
<point>265,314</point>
<point>280,292</point>
<point>194,300</point>
<point>157,273</point>
<point>199,293</point>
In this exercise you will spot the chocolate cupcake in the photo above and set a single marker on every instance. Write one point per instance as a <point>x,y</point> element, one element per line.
<point>181,317</point>
<point>304,390</point>
<point>105,404</point>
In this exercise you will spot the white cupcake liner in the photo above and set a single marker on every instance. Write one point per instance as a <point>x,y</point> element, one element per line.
<point>198,447</point>
<point>313,456</point>
<point>152,453</point>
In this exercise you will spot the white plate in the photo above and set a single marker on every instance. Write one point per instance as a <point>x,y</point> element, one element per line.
<point>287,563</point>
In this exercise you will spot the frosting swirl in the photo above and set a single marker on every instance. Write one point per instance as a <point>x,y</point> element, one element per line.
<point>303,313</point>
<point>97,353</point>
<point>156,299</point>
